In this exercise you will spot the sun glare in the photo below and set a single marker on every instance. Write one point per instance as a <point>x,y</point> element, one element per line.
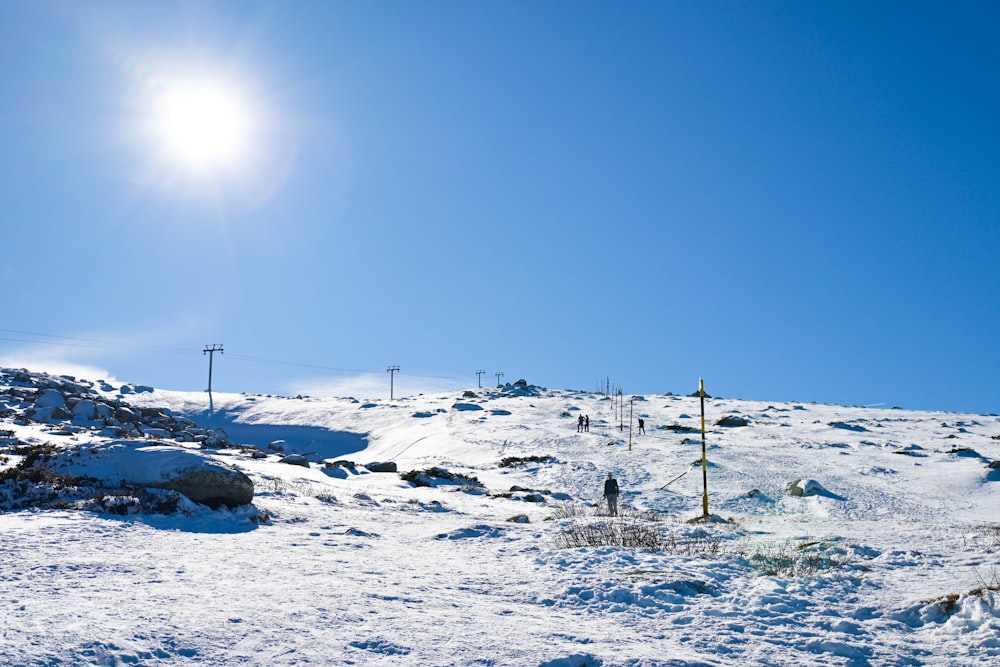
<point>203,126</point>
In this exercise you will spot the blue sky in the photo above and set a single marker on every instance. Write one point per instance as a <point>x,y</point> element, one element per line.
<point>795,201</point>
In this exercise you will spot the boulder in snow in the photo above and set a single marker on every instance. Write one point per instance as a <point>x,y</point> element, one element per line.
<point>295,460</point>
<point>51,398</point>
<point>733,421</point>
<point>85,409</point>
<point>806,487</point>
<point>215,486</point>
<point>187,472</point>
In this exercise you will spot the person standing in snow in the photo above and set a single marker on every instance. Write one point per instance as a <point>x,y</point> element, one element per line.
<point>579,424</point>
<point>642,425</point>
<point>586,423</point>
<point>611,494</point>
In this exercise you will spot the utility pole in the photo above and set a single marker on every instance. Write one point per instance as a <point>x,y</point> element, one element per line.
<point>499,375</point>
<point>631,409</point>
<point>704,456</point>
<point>392,370</point>
<point>210,350</point>
<point>621,411</point>
<point>480,375</point>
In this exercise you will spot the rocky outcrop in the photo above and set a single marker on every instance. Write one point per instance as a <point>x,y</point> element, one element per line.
<point>117,454</point>
<point>215,487</point>
<point>170,467</point>
<point>65,401</point>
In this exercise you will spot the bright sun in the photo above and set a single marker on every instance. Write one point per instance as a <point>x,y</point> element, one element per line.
<point>204,126</point>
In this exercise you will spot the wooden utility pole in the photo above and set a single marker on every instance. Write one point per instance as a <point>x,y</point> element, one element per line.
<point>392,370</point>
<point>704,455</point>
<point>499,375</point>
<point>210,350</point>
<point>480,374</point>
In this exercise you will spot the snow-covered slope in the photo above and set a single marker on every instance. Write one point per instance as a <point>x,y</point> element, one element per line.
<point>891,557</point>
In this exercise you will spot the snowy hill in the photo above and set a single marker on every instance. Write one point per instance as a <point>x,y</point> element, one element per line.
<point>855,536</point>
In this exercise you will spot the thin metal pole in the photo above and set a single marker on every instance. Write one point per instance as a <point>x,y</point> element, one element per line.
<point>621,411</point>
<point>210,350</point>
<point>704,455</point>
<point>631,408</point>
<point>392,370</point>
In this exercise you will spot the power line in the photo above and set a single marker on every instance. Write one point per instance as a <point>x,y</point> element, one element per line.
<point>276,362</point>
<point>93,343</point>
<point>57,340</point>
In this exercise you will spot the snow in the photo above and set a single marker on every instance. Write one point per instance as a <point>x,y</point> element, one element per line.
<point>890,557</point>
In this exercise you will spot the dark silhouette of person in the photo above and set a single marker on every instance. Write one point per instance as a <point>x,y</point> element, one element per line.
<point>611,494</point>
<point>642,425</point>
<point>586,423</point>
<point>579,424</point>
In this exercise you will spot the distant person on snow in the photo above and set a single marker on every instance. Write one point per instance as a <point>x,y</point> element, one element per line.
<point>586,423</point>
<point>642,425</point>
<point>611,494</point>
<point>579,424</point>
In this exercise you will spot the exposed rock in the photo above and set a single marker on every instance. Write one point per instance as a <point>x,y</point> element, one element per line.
<point>849,427</point>
<point>733,421</point>
<point>125,415</point>
<point>965,452</point>
<point>215,487</point>
<point>680,428</point>
<point>382,466</point>
<point>805,487</point>
<point>168,467</point>
<point>519,518</point>
<point>435,476</point>
<point>522,388</point>
<point>51,398</point>
<point>60,414</point>
<point>295,460</point>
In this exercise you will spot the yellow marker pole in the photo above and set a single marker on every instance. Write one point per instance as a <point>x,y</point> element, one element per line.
<point>704,456</point>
